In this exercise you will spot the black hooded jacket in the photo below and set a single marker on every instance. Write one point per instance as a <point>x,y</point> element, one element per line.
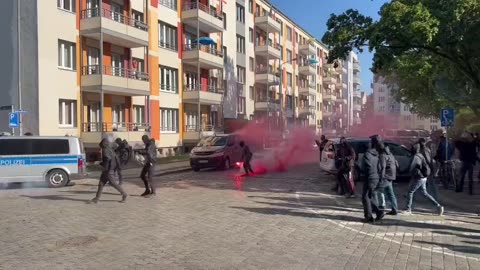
<point>150,152</point>
<point>109,157</point>
<point>370,166</point>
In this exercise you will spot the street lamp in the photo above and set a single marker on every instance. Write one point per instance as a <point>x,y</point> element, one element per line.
<point>310,61</point>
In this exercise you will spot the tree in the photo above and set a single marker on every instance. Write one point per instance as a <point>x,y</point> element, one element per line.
<point>429,48</point>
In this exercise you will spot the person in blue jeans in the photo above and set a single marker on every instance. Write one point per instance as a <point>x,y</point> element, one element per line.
<point>419,170</point>
<point>388,174</point>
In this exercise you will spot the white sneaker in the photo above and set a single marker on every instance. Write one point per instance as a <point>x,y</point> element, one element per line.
<point>440,210</point>
<point>407,212</point>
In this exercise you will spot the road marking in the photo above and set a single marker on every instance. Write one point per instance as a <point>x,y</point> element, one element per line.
<point>382,236</point>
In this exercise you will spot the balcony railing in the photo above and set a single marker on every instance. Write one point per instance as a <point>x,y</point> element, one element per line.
<point>168,88</point>
<point>193,5</point>
<point>168,46</point>
<point>202,128</point>
<point>201,87</point>
<point>204,48</point>
<point>267,70</point>
<point>270,44</point>
<point>269,100</point>
<point>115,71</point>
<point>171,4</point>
<point>114,16</point>
<point>114,127</point>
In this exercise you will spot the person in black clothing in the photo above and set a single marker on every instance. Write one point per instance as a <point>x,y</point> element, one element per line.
<point>150,154</point>
<point>468,155</point>
<point>321,144</point>
<point>109,164</point>
<point>246,158</point>
<point>388,174</point>
<point>345,159</point>
<point>370,167</point>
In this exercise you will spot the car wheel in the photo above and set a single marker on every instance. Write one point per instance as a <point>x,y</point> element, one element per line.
<point>196,169</point>
<point>226,163</point>
<point>57,178</point>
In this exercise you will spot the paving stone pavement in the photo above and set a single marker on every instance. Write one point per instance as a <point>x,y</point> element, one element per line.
<point>213,220</point>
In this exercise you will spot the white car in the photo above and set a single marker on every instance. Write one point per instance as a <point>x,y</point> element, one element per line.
<point>360,145</point>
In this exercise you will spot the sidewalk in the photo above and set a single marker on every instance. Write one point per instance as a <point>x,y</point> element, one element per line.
<point>160,169</point>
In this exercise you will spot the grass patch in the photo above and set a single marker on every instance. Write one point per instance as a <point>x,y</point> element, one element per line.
<point>163,160</point>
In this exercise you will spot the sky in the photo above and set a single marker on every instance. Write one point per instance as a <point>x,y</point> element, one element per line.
<point>312,15</point>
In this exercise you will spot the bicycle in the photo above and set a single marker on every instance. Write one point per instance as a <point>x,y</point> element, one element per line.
<point>447,174</point>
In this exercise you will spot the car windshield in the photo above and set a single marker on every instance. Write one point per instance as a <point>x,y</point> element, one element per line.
<point>213,141</point>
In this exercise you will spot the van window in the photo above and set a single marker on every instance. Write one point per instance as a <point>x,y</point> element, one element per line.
<point>50,146</point>
<point>14,147</point>
<point>398,150</point>
<point>359,147</point>
<point>213,141</point>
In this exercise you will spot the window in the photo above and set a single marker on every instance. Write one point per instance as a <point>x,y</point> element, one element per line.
<point>240,44</point>
<point>240,74</point>
<point>250,35</point>
<point>250,6</point>
<point>224,50</point>
<point>406,109</point>
<point>382,89</point>
<point>224,21</point>
<point>280,47</point>
<point>257,10</point>
<point>49,146</point>
<point>381,99</point>
<point>137,15</point>
<point>66,55</point>
<point>289,33</point>
<point>281,28</point>
<point>241,105</point>
<point>296,37</point>
<point>171,4</point>
<point>289,102</point>
<point>168,79</point>
<point>139,114</point>
<point>167,35</point>
<point>289,79</point>
<point>250,92</point>
<point>168,120</point>
<point>289,56</point>
<point>240,14</point>
<point>68,5</point>
<point>407,118</point>
<point>140,64</point>
<point>67,113</point>
<point>118,116</point>
<point>251,64</point>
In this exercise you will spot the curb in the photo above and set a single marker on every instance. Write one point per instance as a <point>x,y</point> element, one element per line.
<point>96,174</point>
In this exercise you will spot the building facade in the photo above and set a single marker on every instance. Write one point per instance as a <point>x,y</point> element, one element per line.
<point>174,70</point>
<point>398,114</point>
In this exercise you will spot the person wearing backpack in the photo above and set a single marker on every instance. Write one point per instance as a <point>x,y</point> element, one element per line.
<point>148,169</point>
<point>388,174</point>
<point>431,181</point>
<point>419,171</point>
<point>124,153</point>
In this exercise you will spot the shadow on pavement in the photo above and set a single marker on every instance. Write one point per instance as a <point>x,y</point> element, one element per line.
<point>27,185</point>
<point>62,198</point>
<point>456,248</point>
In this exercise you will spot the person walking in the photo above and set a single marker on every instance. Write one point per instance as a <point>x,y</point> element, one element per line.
<point>431,180</point>
<point>246,158</point>
<point>370,167</point>
<point>124,153</point>
<point>148,170</point>
<point>109,164</point>
<point>321,145</point>
<point>388,174</point>
<point>443,155</point>
<point>345,158</point>
<point>419,171</point>
<point>468,156</point>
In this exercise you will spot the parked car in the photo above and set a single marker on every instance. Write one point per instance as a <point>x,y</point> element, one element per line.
<point>360,145</point>
<point>220,151</point>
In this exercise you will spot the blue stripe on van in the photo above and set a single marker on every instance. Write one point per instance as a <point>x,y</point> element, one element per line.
<point>39,160</point>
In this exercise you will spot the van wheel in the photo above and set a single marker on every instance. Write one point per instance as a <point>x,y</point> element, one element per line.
<point>57,178</point>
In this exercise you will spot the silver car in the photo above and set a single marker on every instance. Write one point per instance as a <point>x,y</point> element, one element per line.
<point>360,145</point>
<point>56,160</point>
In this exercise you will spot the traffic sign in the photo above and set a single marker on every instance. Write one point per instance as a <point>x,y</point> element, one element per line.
<point>14,120</point>
<point>447,117</point>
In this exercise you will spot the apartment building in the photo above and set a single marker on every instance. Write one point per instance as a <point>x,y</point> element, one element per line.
<point>398,114</point>
<point>174,70</point>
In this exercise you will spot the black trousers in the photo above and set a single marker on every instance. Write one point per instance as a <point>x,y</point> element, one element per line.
<point>147,177</point>
<point>369,203</point>
<point>120,176</point>
<point>466,170</point>
<point>247,166</point>
<point>105,178</point>
<point>343,182</point>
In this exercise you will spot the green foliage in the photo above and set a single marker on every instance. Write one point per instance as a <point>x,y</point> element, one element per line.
<point>429,49</point>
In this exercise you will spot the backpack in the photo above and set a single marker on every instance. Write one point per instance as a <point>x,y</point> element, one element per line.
<point>391,167</point>
<point>425,169</point>
<point>125,152</point>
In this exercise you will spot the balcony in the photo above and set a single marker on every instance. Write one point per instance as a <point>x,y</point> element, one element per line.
<point>268,51</point>
<point>329,96</point>
<point>207,56</point>
<point>92,133</point>
<point>264,104</point>
<point>357,107</point>
<point>203,94</point>
<point>307,89</point>
<point>266,76</point>
<point>356,67</point>
<point>329,80</point>
<point>341,100</point>
<point>327,114</point>
<point>356,94</point>
<point>268,24</point>
<point>341,85</point>
<point>306,110</point>
<point>307,70</point>
<point>356,81</point>
<point>207,19</point>
<point>193,133</point>
<point>115,27</point>
<point>307,49</point>
<point>113,80</point>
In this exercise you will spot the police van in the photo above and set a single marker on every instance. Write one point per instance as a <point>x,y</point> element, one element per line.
<point>56,160</point>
